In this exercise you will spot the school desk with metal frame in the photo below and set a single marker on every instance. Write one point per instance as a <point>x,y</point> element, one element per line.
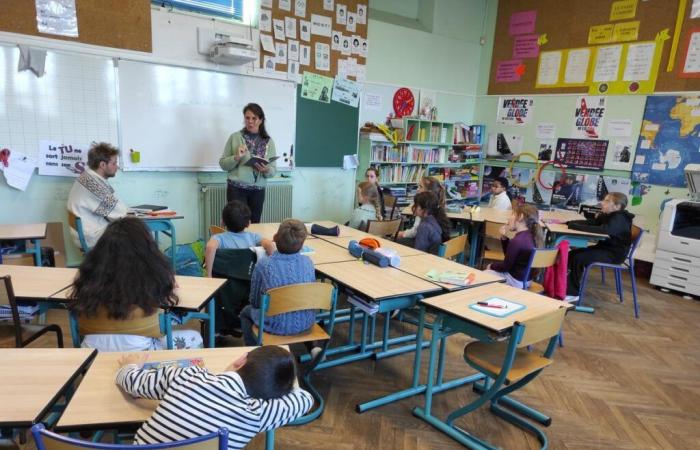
<point>20,232</point>
<point>455,315</point>
<point>473,323</point>
<point>99,404</point>
<point>34,379</point>
<point>390,289</point>
<point>163,224</point>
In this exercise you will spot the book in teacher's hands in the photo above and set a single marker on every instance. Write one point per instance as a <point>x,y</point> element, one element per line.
<point>258,160</point>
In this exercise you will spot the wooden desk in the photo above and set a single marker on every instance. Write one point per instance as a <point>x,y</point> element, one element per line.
<point>195,292</point>
<point>402,250</point>
<point>100,403</point>
<point>345,231</point>
<point>419,265</point>
<point>40,283</point>
<point>32,379</point>
<point>20,232</point>
<point>457,303</point>
<point>562,229</point>
<point>560,215</point>
<point>462,215</point>
<point>268,230</point>
<point>376,282</point>
<point>325,252</point>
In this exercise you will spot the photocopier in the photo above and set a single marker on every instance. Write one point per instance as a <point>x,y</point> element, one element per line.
<point>677,261</point>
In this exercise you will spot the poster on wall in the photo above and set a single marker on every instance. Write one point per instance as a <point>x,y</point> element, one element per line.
<point>62,160</point>
<point>504,146</point>
<point>588,117</point>
<point>514,110</point>
<point>581,153</point>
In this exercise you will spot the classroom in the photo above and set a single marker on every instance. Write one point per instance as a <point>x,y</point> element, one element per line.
<point>351,224</point>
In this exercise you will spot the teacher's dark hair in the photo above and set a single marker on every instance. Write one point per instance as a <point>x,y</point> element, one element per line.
<point>101,152</point>
<point>258,111</point>
<point>123,271</point>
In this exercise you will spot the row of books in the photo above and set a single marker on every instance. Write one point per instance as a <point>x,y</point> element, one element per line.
<point>408,154</point>
<point>468,134</point>
<point>401,174</point>
<point>437,133</point>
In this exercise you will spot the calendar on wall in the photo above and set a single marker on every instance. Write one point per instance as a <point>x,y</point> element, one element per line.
<point>581,153</point>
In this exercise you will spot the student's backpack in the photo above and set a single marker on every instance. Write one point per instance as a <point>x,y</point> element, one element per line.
<point>189,258</point>
<point>236,265</point>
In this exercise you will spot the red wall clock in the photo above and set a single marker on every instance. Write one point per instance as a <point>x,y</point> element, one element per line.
<point>404,102</point>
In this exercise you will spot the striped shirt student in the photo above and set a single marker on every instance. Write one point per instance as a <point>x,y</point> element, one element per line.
<point>195,402</point>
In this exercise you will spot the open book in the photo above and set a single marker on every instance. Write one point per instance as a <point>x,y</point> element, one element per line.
<point>258,160</point>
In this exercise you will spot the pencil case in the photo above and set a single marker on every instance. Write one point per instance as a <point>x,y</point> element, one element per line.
<point>325,231</point>
<point>368,255</point>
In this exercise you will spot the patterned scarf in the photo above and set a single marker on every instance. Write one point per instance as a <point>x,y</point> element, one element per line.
<point>257,145</point>
<point>100,189</point>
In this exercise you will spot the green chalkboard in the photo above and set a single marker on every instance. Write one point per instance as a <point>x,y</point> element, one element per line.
<point>325,132</point>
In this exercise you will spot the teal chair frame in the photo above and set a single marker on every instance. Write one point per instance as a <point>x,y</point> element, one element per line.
<point>81,235</point>
<point>76,338</point>
<point>491,389</point>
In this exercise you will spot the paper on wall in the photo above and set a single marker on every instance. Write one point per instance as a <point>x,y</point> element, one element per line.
<point>362,14</point>
<point>695,10</point>
<point>278,26</point>
<point>320,25</point>
<point>350,162</point>
<point>361,73</point>
<point>267,43</point>
<point>623,9</point>
<point>346,92</point>
<point>57,17</point>
<point>293,50</point>
<point>281,53</point>
<point>304,55</point>
<point>305,30</point>
<point>60,159</point>
<point>265,20</point>
<point>546,130</point>
<point>588,117</point>
<point>266,3</point>
<point>19,170</point>
<point>640,58</point>
<point>692,57</point>
<point>285,5</point>
<point>619,128</point>
<point>328,5</point>
<point>607,63</point>
<point>522,22</point>
<point>269,63</point>
<point>363,48</point>
<point>548,68</point>
<point>346,46</point>
<point>372,102</point>
<point>316,87</point>
<point>293,71</point>
<point>335,41</point>
<point>514,110</point>
<point>322,56</point>
<point>355,44</point>
<point>622,155</point>
<point>343,68</point>
<point>576,71</point>
<point>352,20</point>
<point>290,27</point>
<point>341,12</point>
<point>300,8</point>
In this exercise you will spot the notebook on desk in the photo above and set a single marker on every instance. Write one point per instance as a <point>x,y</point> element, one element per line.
<point>497,307</point>
<point>148,208</point>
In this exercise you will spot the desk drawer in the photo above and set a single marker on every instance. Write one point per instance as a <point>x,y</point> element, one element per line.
<point>685,263</point>
<point>664,278</point>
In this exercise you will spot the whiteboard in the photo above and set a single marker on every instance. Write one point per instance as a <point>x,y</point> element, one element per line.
<point>180,119</point>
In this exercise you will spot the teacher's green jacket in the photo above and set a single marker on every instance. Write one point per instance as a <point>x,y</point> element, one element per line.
<point>237,170</point>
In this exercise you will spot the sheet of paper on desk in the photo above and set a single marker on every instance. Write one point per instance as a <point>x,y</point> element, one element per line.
<point>179,363</point>
<point>498,307</point>
<point>19,170</point>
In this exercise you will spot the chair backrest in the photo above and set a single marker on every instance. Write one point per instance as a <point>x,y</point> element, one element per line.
<point>453,247</point>
<point>47,440</point>
<point>215,229</point>
<point>7,299</point>
<point>299,297</point>
<point>492,229</point>
<point>637,233</point>
<point>75,223</point>
<point>137,324</point>
<point>541,258</point>
<point>384,227</point>
<point>543,327</point>
<point>390,205</point>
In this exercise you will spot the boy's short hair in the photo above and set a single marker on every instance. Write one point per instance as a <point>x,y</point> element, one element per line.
<point>290,236</point>
<point>268,373</point>
<point>619,199</point>
<point>503,181</point>
<point>100,152</point>
<point>236,216</point>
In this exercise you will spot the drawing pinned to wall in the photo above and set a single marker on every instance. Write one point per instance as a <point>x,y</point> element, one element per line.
<point>18,168</point>
<point>265,20</point>
<point>622,155</point>
<point>546,151</point>
<point>504,146</point>
<point>515,110</point>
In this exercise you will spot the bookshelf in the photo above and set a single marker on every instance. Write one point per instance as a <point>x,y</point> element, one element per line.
<point>450,152</point>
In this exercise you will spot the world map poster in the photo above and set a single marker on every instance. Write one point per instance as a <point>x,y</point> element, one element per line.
<point>669,139</point>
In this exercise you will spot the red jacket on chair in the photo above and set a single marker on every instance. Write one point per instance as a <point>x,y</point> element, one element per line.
<point>555,276</point>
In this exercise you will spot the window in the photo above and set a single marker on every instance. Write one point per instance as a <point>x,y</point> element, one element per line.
<point>231,9</point>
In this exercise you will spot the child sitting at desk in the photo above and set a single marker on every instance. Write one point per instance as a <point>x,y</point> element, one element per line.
<point>236,218</point>
<point>369,208</point>
<point>285,266</point>
<point>123,278</point>
<point>256,393</point>
<point>525,223</point>
<point>427,184</point>
<point>434,228</point>
<point>616,222</point>
<point>499,194</point>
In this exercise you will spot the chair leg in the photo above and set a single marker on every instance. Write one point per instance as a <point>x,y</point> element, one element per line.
<point>618,283</point>
<point>633,281</point>
<point>561,338</point>
<point>582,289</point>
<point>602,275</point>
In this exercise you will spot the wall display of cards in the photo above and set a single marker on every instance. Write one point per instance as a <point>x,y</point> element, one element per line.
<point>330,41</point>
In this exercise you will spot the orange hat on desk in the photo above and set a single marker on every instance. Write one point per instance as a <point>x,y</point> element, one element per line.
<point>370,243</point>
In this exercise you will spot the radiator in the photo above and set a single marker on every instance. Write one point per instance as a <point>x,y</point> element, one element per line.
<point>277,207</point>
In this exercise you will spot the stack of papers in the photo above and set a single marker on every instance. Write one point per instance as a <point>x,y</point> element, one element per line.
<point>370,308</point>
<point>450,277</point>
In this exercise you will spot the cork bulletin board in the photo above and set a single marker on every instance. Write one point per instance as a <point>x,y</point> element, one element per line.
<point>567,25</point>
<point>312,13</point>
<point>122,24</point>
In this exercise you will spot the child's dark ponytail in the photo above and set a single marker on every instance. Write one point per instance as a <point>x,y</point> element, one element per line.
<point>430,203</point>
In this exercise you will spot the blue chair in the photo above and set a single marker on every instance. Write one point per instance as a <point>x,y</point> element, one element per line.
<point>627,265</point>
<point>75,223</point>
<point>541,258</point>
<point>47,440</point>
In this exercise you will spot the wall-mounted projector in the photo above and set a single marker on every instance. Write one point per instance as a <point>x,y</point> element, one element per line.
<point>234,51</point>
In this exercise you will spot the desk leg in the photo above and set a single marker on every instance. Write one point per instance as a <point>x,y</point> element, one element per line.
<point>211,309</point>
<point>37,252</point>
<point>169,331</point>
<point>473,243</point>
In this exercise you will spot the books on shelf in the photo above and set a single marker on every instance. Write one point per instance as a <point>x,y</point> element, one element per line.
<point>468,134</point>
<point>401,174</point>
<point>407,154</point>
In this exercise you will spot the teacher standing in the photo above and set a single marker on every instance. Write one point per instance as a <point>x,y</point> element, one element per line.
<point>247,183</point>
